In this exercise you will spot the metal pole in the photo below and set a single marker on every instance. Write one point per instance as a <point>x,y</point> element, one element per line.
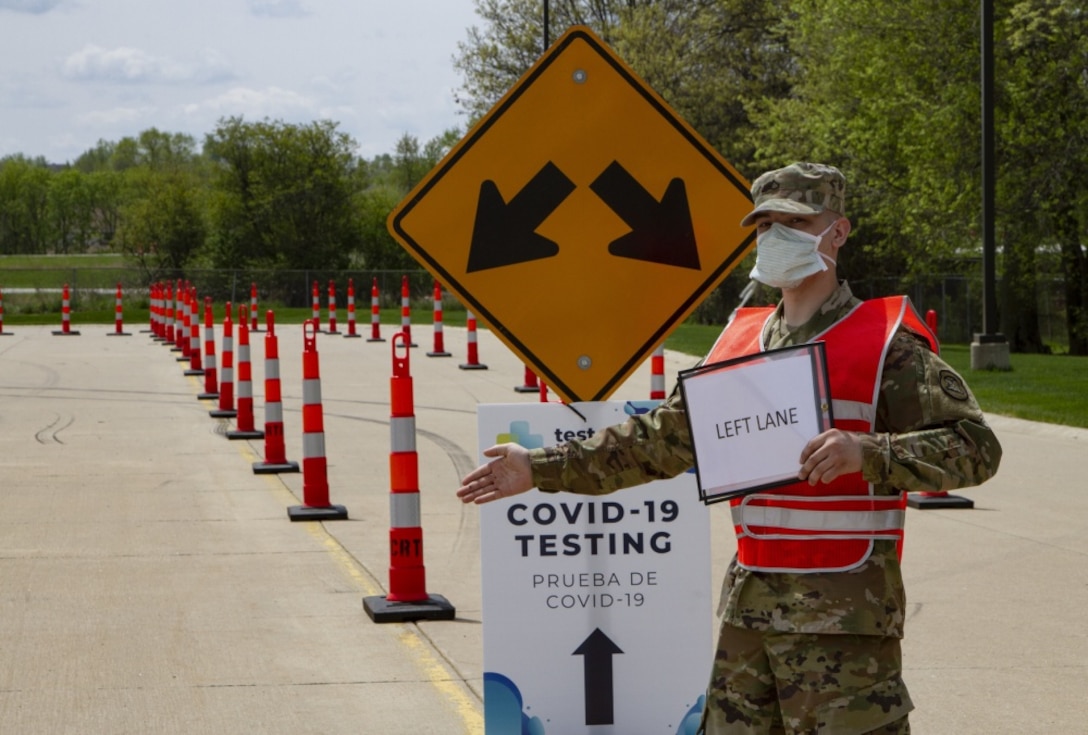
<point>547,42</point>
<point>989,278</point>
<point>989,350</point>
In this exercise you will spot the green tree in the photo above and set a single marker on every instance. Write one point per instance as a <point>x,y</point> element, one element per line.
<point>1045,161</point>
<point>24,202</point>
<point>165,227</point>
<point>282,195</point>
<point>71,211</point>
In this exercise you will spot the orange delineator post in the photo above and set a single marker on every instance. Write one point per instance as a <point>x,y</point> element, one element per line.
<point>315,480</point>
<point>407,598</point>
<point>351,310</point>
<point>253,326</point>
<point>473,352</point>
<point>657,374</point>
<point>211,384</point>
<point>275,452</point>
<point>194,336</point>
<point>529,382</point>
<point>2,332</point>
<point>332,308</point>
<point>406,310</point>
<point>942,499</point>
<point>65,316</point>
<point>244,421</point>
<point>168,313</point>
<point>118,316</point>
<point>226,408</point>
<point>439,343</point>
<point>375,314</point>
<point>181,329</point>
<point>315,304</point>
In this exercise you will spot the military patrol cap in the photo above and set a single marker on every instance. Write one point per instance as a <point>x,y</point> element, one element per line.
<point>800,188</point>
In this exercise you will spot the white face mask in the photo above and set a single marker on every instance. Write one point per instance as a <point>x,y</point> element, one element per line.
<point>785,256</point>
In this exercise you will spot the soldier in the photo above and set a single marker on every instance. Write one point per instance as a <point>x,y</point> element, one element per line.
<point>811,624</point>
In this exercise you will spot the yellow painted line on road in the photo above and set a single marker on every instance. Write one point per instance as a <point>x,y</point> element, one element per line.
<point>440,676</point>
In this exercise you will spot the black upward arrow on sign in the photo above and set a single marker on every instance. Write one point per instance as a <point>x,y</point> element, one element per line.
<point>598,650</point>
<point>504,233</point>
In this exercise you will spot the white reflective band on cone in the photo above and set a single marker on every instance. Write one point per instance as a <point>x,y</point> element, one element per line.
<point>311,391</point>
<point>272,369</point>
<point>273,413</point>
<point>404,510</point>
<point>313,445</point>
<point>402,434</point>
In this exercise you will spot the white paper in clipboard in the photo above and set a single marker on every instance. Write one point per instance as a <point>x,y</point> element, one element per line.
<point>750,418</point>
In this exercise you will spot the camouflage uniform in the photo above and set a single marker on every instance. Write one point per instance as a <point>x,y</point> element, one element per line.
<point>816,652</point>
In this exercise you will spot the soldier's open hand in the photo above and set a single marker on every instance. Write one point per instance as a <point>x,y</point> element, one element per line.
<point>506,475</point>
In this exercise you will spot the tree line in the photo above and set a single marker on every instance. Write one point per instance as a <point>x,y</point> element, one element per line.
<point>260,195</point>
<point>887,91</point>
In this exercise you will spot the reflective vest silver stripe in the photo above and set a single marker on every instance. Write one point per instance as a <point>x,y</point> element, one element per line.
<point>311,391</point>
<point>402,433</point>
<point>853,411</point>
<point>835,523</point>
<point>313,445</point>
<point>404,510</point>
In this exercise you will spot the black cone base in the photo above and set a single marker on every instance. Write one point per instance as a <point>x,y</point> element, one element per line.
<point>239,434</point>
<point>435,607</point>
<point>328,513</point>
<point>223,413</point>
<point>935,502</point>
<point>274,468</point>
<point>473,366</point>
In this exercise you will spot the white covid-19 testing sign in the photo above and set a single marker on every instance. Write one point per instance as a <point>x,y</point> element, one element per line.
<point>597,610</point>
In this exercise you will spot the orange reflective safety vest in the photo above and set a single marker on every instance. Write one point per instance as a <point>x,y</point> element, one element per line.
<point>830,527</point>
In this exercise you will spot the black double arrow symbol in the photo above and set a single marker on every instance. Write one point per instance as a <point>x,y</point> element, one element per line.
<point>505,232</point>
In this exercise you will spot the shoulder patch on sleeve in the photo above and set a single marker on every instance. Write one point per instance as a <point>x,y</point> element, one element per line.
<point>953,385</point>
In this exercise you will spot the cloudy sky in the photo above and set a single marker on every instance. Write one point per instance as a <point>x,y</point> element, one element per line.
<point>73,72</point>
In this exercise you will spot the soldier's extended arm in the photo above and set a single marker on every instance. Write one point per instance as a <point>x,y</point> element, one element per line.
<point>646,447</point>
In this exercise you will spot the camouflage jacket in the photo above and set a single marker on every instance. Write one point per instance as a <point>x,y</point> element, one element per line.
<point>930,436</point>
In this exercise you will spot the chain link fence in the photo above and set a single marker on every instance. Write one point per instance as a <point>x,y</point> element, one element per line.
<point>957,300</point>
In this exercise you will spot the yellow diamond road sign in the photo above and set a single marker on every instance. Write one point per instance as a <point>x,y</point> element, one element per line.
<point>581,219</point>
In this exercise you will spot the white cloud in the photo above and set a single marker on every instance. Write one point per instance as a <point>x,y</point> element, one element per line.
<point>115,116</point>
<point>254,103</point>
<point>35,7</point>
<point>278,8</point>
<point>133,65</point>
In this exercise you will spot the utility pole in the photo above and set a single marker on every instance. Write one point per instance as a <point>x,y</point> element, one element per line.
<point>989,350</point>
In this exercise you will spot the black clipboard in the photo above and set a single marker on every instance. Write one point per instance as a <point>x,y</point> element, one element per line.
<point>704,380</point>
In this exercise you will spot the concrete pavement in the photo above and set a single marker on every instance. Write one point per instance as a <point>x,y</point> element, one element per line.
<point>151,583</point>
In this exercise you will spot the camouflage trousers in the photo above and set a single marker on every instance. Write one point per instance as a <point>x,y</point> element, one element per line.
<point>768,683</point>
